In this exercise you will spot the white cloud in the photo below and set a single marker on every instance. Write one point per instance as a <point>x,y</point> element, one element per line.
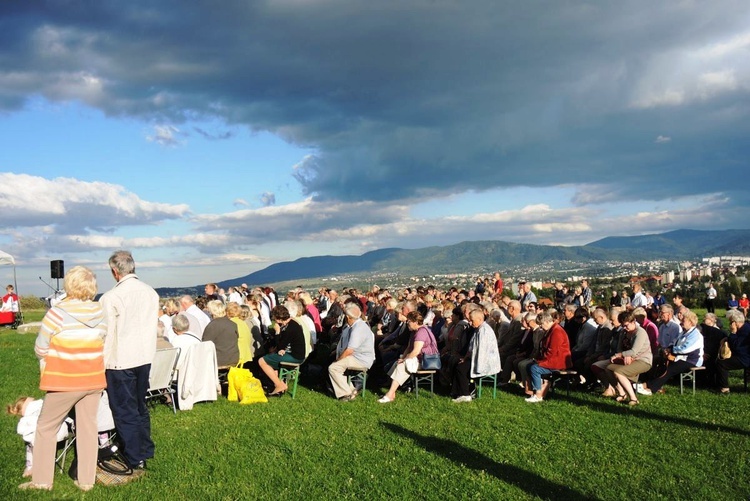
<point>662,139</point>
<point>240,202</point>
<point>682,75</point>
<point>166,135</point>
<point>721,49</point>
<point>717,82</point>
<point>69,206</point>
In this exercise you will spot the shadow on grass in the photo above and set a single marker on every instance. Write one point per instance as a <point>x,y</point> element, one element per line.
<point>527,481</point>
<point>640,412</point>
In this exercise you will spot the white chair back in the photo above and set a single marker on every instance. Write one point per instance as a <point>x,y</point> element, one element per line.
<point>162,369</point>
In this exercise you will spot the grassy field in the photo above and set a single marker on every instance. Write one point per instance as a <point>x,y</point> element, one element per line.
<point>313,447</point>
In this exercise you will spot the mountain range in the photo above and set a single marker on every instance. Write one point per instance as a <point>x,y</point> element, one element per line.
<point>674,245</point>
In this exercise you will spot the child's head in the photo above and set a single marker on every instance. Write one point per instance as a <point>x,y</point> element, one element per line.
<point>18,408</point>
<point>10,289</point>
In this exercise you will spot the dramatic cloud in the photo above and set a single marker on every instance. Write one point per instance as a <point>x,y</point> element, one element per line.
<point>302,220</point>
<point>71,206</point>
<point>414,99</point>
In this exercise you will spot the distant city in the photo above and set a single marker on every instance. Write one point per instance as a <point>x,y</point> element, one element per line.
<point>658,274</point>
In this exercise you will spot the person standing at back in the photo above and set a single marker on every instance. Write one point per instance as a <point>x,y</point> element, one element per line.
<point>129,348</point>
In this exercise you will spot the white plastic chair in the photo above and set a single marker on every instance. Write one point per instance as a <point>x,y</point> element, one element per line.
<point>162,373</point>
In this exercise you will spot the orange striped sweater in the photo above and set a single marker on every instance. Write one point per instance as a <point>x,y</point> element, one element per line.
<point>70,347</point>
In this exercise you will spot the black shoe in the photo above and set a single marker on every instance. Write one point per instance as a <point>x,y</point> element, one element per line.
<point>141,465</point>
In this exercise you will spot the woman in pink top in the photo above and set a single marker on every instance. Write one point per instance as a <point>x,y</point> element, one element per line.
<point>421,342</point>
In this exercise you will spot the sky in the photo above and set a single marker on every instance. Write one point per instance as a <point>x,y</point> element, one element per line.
<point>213,139</point>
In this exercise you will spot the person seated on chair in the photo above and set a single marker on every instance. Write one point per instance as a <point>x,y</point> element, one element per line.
<point>481,359</point>
<point>422,342</point>
<point>712,338</point>
<point>526,346</point>
<point>161,340</point>
<point>744,305</point>
<point>554,355</point>
<point>290,347</point>
<point>223,333</point>
<point>739,343</point>
<point>28,410</point>
<point>537,334</point>
<point>632,358</point>
<point>244,336</point>
<point>183,338</point>
<point>297,312</point>
<point>600,350</point>
<point>10,300</point>
<point>456,344</point>
<point>355,351</point>
<point>393,344</point>
<point>685,353</point>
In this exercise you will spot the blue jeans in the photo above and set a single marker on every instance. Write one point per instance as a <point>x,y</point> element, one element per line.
<point>127,399</point>
<point>535,373</point>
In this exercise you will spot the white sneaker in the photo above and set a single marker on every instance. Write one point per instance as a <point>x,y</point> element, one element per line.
<point>533,399</point>
<point>638,387</point>
<point>462,398</point>
<point>643,391</point>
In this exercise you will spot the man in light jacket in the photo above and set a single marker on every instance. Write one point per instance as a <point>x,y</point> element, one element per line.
<point>132,310</point>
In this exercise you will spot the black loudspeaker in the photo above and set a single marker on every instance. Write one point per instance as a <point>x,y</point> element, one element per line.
<point>57,269</point>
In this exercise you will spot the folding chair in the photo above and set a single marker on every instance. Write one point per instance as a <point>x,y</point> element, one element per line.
<point>162,373</point>
<point>105,423</point>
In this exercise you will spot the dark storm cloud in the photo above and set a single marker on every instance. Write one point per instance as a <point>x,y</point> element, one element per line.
<point>403,100</point>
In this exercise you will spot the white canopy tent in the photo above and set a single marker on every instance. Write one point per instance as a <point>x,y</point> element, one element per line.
<point>7,259</point>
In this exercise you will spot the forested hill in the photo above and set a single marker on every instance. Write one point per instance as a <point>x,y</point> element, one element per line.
<point>679,244</point>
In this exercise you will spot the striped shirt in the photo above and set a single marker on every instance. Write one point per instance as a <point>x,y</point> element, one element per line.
<point>70,347</point>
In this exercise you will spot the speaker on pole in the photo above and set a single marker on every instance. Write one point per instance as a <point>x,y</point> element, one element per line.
<point>57,269</point>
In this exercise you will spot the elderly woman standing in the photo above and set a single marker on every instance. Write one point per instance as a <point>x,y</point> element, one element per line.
<point>70,347</point>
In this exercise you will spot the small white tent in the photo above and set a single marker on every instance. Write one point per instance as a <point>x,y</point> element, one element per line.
<point>7,259</point>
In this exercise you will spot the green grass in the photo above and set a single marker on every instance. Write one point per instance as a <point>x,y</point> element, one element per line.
<point>670,447</point>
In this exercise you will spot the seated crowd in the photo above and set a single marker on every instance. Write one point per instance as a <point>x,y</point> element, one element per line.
<point>630,347</point>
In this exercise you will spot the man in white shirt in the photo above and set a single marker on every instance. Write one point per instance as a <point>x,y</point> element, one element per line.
<point>710,298</point>
<point>132,309</point>
<point>356,350</point>
<point>639,300</point>
<point>196,314</point>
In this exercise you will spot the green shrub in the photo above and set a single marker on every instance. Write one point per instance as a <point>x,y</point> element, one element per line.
<point>32,303</point>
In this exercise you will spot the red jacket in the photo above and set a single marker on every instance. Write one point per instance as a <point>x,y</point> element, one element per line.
<point>555,353</point>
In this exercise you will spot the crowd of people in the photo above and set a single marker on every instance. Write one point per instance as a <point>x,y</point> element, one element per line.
<point>625,349</point>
